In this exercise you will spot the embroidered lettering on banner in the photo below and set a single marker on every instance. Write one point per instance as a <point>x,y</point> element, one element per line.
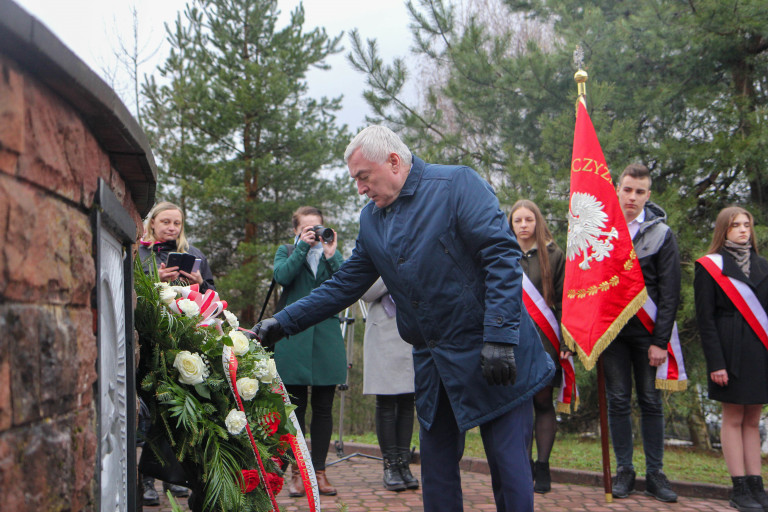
<point>590,165</point>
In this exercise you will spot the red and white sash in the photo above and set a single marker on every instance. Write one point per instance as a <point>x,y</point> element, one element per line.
<point>740,294</point>
<point>546,321</point>
<point>670,375</point>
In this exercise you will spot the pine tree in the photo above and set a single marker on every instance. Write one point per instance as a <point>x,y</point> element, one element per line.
<point>241,142</point>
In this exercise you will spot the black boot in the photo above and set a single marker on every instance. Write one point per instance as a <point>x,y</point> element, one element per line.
<point>404,462</point>
<point>541,477</point>
<point>392,479</point>
<point>741,498</point>
<point>403,432</point>
<point>150,497</point>
<point>756,489</point>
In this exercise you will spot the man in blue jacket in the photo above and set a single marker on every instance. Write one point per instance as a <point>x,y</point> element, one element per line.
<point>444,249</point>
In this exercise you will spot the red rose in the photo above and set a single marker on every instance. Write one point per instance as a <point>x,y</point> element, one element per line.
<point>275,483</point>
<point>250,480</point>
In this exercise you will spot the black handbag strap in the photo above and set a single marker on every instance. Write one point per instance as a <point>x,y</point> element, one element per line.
<point>289,248</point>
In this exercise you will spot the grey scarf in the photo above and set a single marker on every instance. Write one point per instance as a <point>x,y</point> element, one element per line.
<point>740,253</point>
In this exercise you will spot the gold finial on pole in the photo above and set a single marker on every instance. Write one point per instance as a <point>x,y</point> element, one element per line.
<point>580,76</point>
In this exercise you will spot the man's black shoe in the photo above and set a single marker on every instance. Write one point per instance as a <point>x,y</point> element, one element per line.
<point>150,497</point>
<point>657,485</point>
<point>624,483</point>
<point>177,491</point>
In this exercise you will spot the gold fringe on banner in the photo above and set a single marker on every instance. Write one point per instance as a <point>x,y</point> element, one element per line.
<point>618,324</point>
<point>671,385</point>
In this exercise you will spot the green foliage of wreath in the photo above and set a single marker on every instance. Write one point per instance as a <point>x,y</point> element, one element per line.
<point>193,416</point>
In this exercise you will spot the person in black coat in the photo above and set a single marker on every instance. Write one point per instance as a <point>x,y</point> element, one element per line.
<point>544,264</point>
<point>737,361</point>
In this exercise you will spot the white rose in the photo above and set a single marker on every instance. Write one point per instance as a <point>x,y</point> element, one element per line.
<point>192,369</point>
<point>188,307</point>
<point>240,343</point>
<point>231,319</point>
<point>235,421</point>
<point>271,372</point>
<point>260,368</point>
<point>247,388</point>
<point>167,294</point>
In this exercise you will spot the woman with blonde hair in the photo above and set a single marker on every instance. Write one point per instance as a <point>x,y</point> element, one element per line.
<point>544,264</point>
<point>731,290</point>
<point>164,234</point>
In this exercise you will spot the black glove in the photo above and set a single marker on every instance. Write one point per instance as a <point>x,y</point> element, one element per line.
<point>497,361</point>
<point>268,332</point>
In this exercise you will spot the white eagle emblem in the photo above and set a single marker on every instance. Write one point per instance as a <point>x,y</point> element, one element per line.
<point>586,220</point>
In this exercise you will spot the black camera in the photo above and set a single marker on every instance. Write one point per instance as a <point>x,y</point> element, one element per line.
<point>321,232</point>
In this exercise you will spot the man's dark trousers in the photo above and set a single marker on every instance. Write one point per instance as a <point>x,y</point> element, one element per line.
<point>625,356</point>
<point>504,439</point>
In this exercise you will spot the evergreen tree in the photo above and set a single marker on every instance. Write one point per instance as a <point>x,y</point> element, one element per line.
<point>241,142</point>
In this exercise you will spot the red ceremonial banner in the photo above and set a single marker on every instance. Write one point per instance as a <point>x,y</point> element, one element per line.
<point>603,285</point>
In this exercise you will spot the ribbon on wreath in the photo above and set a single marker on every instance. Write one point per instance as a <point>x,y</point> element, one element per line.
<point>209,303</point>
<point>229,362</point>
<point>300,452</point>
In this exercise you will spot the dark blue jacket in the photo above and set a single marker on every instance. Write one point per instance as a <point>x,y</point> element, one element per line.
<point>448,257</point>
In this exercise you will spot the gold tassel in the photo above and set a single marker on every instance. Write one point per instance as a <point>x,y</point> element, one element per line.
<point>563,408</point>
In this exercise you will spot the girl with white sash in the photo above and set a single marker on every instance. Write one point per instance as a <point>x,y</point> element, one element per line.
<point>731,292</point>
<point>544,264</point>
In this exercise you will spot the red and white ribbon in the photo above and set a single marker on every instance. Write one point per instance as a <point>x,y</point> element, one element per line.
<point>209,303</point>
<point>229,361</point>
<point>301,453</point>
<point>671,374</point>
<point>740,294</point>
<point>545,319</point>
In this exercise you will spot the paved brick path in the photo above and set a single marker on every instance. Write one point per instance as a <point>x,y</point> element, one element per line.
<point>358,481</point>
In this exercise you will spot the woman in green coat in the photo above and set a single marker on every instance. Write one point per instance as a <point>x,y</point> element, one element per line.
<point>314,357</point>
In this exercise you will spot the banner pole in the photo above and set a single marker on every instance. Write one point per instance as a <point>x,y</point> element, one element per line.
<point>604,431</point>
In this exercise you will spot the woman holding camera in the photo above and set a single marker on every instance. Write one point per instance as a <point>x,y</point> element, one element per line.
<point>315,357</point>
<point>731,292</point>
<point>164,234</point>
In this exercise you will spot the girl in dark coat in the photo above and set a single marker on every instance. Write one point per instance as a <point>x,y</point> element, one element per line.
<point>737,361</point>
<point>546,270</point>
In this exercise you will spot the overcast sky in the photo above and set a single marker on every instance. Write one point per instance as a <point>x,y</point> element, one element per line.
<point>92,29</point>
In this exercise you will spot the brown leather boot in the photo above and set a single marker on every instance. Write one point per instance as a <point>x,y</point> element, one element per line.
<point>295,485</point>
<point>323,485</point>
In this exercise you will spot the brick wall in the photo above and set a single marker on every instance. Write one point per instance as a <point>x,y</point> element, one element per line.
<point>49,166</point>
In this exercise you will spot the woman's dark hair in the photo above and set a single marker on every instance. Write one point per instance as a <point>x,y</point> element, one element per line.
<point>543,237</point>
<point>723,224</point>
<point>303,211</point>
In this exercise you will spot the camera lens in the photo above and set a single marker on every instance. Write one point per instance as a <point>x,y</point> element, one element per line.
<point>321,232</point>
<point>327,235</point>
